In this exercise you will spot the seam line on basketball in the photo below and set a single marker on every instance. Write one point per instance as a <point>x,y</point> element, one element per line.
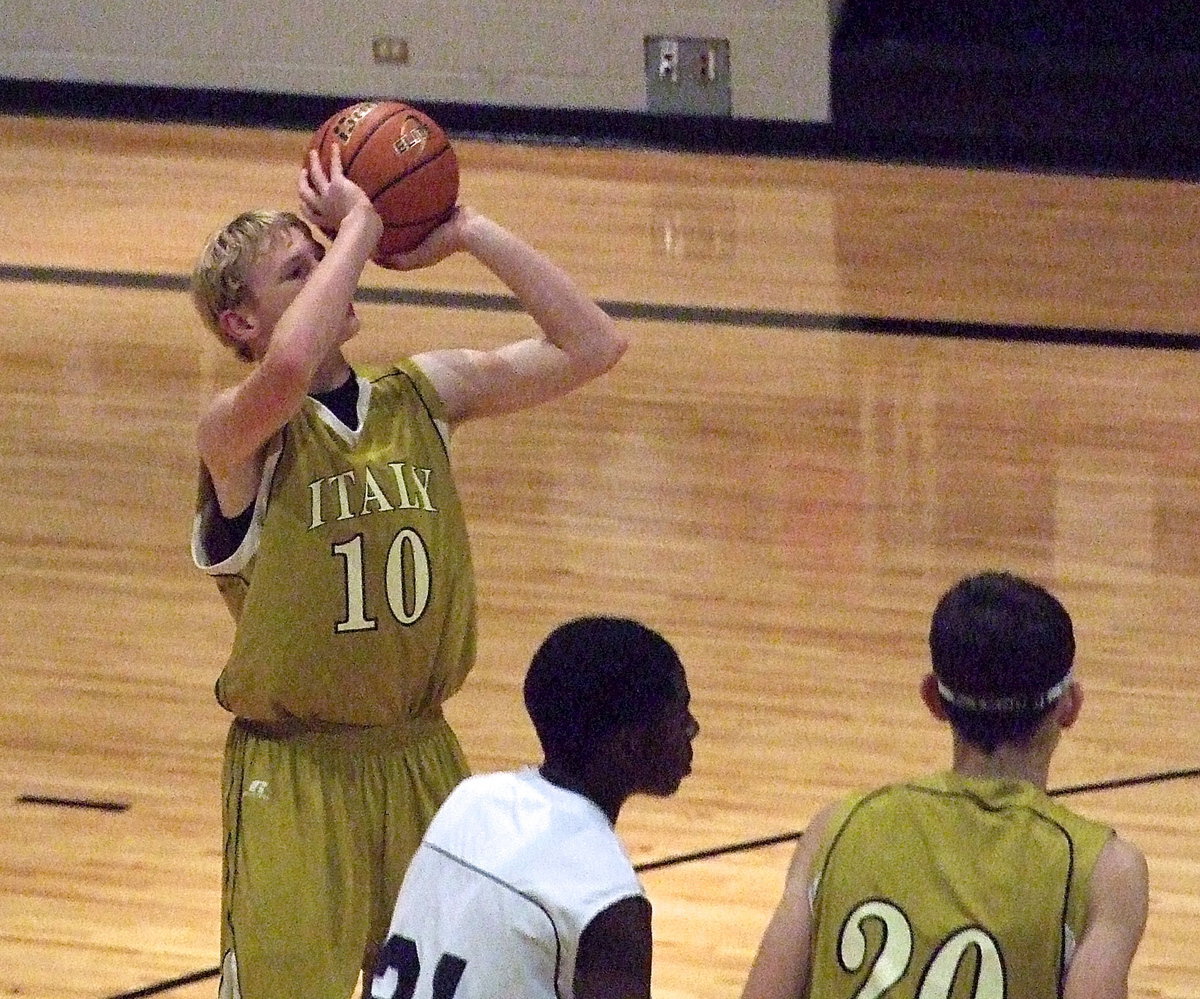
<point>408,173</point>
<point>367,138</point>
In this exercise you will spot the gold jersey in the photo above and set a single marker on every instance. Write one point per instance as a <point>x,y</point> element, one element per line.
<point>950,888</point>
<point>353,591</point>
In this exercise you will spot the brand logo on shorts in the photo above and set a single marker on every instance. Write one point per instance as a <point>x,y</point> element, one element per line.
<point>257,789</point>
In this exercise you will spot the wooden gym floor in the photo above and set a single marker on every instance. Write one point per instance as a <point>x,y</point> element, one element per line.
<point>850,384</point>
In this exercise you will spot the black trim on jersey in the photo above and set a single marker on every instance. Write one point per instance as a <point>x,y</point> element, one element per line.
<point>516,891</point>
<point>231,839</point>
<point>342,401</point>
<point>420,395</point>
<point>842,827</point>
<point>1070,878</point>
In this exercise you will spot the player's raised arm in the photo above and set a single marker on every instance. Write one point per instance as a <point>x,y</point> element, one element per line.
<point>290,313</point>
<point>579,341</point>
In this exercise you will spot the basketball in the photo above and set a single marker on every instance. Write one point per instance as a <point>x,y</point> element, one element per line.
<point>403,161</point>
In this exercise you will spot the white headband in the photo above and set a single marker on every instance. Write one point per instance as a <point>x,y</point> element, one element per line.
<point>1006,704</point>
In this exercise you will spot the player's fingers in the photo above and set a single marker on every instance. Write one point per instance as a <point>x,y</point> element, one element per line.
<point>304,186</point>
<point>316,173</point>
<point>310,210</point>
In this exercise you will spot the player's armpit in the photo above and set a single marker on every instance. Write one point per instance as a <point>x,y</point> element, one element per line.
<point>615,953</point>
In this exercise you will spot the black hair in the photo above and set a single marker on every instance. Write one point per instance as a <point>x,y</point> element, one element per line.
<point>593,677</point>
<point>1001,648</point>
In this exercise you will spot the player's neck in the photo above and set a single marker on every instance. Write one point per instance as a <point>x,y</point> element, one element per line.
<point>608,801</point>
<point>331,374</point>
<point>1009,762</point>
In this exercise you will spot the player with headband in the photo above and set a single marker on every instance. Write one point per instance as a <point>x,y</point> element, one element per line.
<point>972,882</point>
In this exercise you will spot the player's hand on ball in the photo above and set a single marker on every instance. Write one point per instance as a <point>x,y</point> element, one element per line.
<point>442,242</point>
<point>326,199</point>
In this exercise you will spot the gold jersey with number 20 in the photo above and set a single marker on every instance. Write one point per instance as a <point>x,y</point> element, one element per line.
<point>950,888</point>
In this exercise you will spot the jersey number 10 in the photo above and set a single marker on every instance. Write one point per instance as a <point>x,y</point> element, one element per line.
<point>405,581</point>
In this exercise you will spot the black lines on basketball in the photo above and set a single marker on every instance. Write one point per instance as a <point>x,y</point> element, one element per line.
<point>402,160</point>
<point>414,169</point>
<point>375,126</point>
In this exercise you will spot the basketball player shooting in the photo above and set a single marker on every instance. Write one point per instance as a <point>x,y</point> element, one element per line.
<point>329,519</point>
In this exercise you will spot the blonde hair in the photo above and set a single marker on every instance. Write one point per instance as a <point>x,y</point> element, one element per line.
<point>219,279</point>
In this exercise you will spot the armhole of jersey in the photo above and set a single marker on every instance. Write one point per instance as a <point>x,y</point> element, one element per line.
<point>207,509</point>
<point>838,821</point>
<point>628,887</point>
<point>1079,890</point>
<point>429,397</point>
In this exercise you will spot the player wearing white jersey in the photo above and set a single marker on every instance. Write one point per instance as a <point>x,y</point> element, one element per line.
<point>521,886</point>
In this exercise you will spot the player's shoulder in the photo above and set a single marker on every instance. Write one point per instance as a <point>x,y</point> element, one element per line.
<point>479,787</point>
<point>1119,887</point>
<point>406,378</point>
<point>1121,860</point>
<point>504,791</point>
<point>813,839</point>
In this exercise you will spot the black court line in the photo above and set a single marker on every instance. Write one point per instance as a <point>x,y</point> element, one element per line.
<point>99,805</point>
<point>173,983</point>
<point>743,847</point>
<point>756,844</point>
<point>666,312</point>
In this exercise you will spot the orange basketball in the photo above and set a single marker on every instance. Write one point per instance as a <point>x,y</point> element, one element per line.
<point>403,161</point>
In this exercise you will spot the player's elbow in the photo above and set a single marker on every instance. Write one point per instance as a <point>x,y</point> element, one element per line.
<point>609,350</point>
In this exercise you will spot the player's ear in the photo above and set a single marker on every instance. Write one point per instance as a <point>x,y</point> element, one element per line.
<point>238,326</point>
<point>931,697</point>
<point>1069,705</point>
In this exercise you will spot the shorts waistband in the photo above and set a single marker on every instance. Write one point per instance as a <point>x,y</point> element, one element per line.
<point>313,730</point>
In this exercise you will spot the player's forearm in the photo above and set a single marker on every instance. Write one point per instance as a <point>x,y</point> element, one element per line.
<point>310,327</point>
<point>568,318</point>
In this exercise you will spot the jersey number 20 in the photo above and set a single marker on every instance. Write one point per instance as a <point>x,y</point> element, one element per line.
<point>896,952</point>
